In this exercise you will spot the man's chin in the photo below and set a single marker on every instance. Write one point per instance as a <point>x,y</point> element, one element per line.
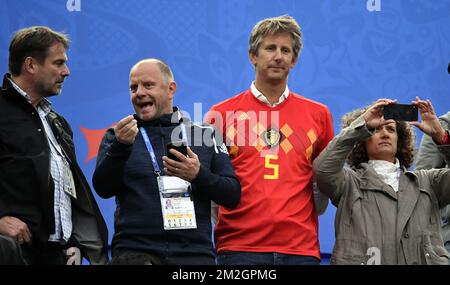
<point>146,116</point>
<point>53,93</point>
<point>276,78</point>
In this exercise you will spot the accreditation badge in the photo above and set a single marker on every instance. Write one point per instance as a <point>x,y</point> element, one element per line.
<point>176,203</point>
<point>69,183</point>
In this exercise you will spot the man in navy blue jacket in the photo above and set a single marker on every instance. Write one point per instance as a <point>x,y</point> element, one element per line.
<point>163,213</point>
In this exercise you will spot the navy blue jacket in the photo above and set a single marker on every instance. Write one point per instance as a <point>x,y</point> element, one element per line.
<point>126,171</point>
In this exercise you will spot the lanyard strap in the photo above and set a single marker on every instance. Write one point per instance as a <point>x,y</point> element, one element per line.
<point>150,150</point>
<point>183,134</point>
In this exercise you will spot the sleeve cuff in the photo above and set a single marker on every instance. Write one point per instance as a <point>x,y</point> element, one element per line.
<point>444,140</point>
<point>119,149</point>
<point>202,177</point>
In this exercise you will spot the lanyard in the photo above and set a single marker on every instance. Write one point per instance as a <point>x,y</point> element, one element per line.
<point>183,134</point>
<point>150,150</point>
<point>149,146</point>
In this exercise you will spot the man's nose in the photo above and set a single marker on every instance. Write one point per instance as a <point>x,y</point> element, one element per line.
<point>66,71</point>
<point>278,54</point>
<point>140,90</point>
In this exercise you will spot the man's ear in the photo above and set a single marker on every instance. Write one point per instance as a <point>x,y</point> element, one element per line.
<point>172,89</point>
<point>30,65</point>
<point>252,57</point>
<point>294,62</point>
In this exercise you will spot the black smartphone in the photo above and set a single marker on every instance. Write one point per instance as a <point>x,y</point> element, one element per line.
<point>401,112</point>
<point>178,146</point>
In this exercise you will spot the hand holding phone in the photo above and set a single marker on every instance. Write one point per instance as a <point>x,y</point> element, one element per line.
<point>400,112</point>
<point>178,146</point>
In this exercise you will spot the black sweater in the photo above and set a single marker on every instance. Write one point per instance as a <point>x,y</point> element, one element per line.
<point>126,171</point>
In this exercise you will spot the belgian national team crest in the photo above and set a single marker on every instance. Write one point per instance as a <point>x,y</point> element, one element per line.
<point>272,137</point>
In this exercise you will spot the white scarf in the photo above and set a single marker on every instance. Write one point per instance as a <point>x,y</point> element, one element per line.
<point>389,172</point>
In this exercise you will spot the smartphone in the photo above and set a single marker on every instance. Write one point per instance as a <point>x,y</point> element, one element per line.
<point>401,112</point>
<point>177,145</point>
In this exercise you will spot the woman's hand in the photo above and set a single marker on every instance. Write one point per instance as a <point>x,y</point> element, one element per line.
<point>430,123</point>
<point>374,115</point>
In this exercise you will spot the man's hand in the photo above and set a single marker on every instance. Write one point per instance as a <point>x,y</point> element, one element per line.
<point>374,114</point>
<point>187,168</point>
<point>126,130</point>
<point>15,228</point>
<point>430,123</point>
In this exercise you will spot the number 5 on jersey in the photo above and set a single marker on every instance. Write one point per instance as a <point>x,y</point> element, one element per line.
<point>270,165</point>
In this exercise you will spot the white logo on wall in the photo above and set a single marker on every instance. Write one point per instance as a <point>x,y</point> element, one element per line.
<point>73,5</point>
<point>373,5</point>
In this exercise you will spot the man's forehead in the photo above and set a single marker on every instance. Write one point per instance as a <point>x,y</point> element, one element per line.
<point>57,51</point>
<point>145,75</point>
<point>144,68</point>
<point>57,47</point>
<point>272,36</point>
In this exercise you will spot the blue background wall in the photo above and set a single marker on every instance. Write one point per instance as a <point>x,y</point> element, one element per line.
<point>351,56</point>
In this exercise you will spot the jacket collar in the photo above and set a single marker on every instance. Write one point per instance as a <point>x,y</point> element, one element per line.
<point>372,182</point>
<point>10,92</point>
<point>7,85</point>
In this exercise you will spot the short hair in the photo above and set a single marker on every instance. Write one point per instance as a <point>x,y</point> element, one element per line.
<point>272,26</point>
<point>35,42</point>
<point>166,72</point>
<point>405,143</point>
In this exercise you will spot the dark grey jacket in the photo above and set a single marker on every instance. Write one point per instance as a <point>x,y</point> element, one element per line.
<point>374,224</point>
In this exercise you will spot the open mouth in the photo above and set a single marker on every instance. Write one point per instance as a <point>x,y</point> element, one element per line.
<point>145,105</point>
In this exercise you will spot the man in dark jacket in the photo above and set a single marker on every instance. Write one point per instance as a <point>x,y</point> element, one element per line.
<point>46,205</point>
<point>163,213</point>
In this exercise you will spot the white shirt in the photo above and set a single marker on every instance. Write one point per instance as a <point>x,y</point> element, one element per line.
<point>263,98</point>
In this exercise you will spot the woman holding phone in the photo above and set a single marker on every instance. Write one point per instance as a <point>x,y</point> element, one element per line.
<point>385,213</point>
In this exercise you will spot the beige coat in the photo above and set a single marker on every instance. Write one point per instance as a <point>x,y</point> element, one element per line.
<point>374,224</point>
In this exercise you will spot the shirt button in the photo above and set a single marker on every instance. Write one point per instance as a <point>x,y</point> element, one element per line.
<point>406,235</point>
<point>39,130</point>
<point>427,254</point>
<point>32,113</point>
